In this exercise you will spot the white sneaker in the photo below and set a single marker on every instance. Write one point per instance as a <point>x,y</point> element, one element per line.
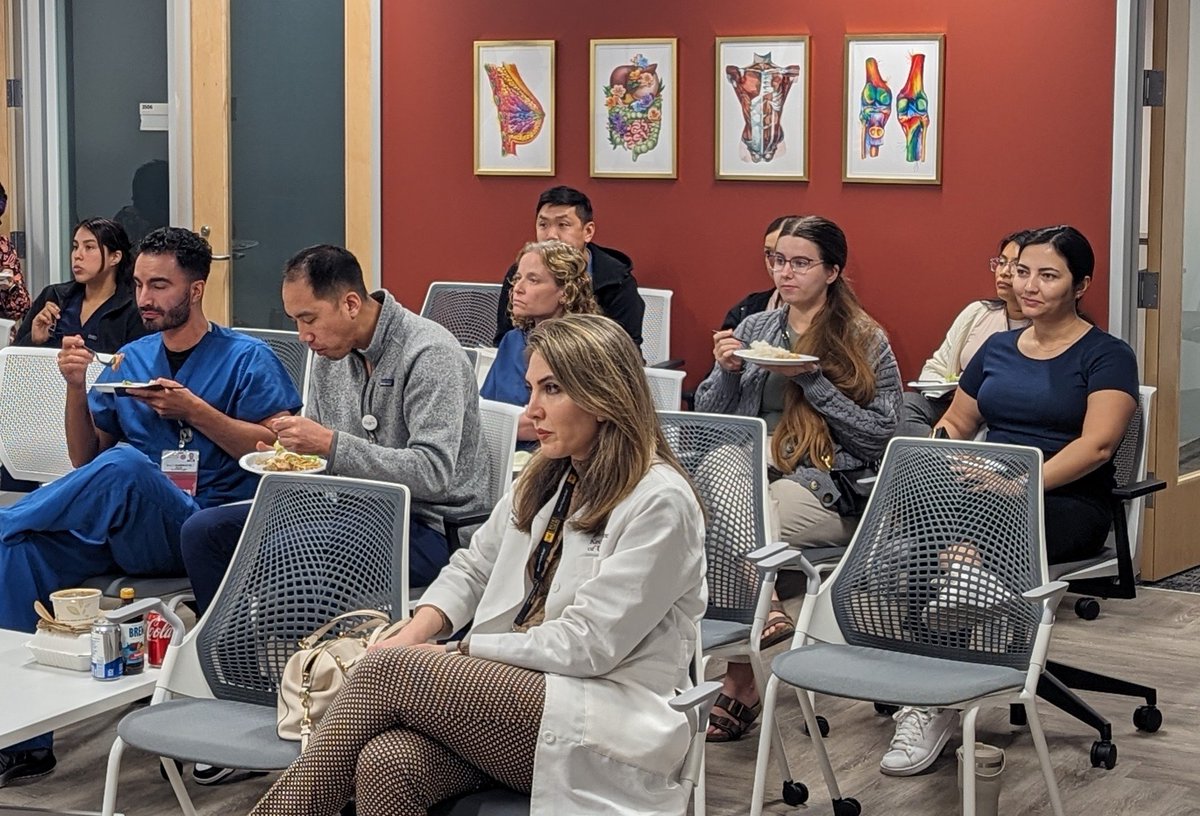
<point>964,592</point>
<point>921,734</point>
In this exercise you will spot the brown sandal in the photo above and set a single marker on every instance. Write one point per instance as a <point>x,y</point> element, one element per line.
<point>731,730</point>
<point>777,617</point>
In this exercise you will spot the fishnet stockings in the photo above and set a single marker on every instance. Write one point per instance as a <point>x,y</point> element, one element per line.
<point>411,728</point>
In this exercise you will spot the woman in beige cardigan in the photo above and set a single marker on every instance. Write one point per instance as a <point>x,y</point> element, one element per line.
<point>974,324</point>
<point>585,587</point>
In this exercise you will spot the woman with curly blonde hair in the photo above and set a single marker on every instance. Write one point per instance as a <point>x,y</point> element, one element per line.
<point>551,280</point>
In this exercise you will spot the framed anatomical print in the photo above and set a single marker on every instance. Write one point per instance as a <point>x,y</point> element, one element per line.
<point>892,123</point>
<point>762,108</point>
<point>514,108</point>
<point>633,104</point>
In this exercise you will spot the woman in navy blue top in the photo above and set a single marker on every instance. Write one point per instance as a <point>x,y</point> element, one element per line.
<point>551,280</point>
<point>1061,385</point>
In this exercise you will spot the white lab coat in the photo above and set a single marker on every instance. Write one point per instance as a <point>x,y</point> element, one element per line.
<point>615,646</point>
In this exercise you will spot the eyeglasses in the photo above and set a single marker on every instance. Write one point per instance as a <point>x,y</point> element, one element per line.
<point>799,265</point>
<point>1001,264</point>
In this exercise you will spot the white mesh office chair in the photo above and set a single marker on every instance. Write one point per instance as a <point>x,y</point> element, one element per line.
<point>900,621</point>
<point>485,356</point>
<point>33,399</point>
<point>666,387</point>
<point>498,424</point>
<point>656,328</point>
<point>314,546</point>
<point>467,310</point>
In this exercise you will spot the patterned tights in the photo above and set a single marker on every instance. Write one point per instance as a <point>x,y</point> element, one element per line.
<point>411,728</point>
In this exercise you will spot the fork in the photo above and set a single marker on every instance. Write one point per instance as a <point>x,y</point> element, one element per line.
<point>102,358</point>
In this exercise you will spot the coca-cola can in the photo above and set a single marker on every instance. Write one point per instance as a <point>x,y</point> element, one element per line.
<point>158,637</point>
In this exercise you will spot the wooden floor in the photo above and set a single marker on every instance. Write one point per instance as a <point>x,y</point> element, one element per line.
<point>1155,638</point>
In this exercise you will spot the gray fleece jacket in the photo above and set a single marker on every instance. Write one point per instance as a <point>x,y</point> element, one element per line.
<point>859,433</point>
<point>422,394</point>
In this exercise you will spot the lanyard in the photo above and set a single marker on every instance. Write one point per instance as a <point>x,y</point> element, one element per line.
<point>549,543</point>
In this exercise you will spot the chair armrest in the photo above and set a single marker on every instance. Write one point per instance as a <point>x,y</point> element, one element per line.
<point>766,551</point>
<point>672,363</point>
<point>1138,489</point>
<point>140,607</point>
<point>1049,594</point>
<point>794,559</point>
<point>454,522</point>
<point>700,696</point>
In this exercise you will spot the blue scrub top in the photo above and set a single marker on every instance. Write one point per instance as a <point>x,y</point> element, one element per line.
<point>505,381</point>
<point>236,374</point>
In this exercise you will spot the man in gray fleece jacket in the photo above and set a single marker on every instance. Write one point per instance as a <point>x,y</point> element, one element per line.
<point>392,397</point>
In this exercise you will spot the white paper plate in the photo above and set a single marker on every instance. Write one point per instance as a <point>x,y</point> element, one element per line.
<point>251,462</point>
<point>520,460</point>
<point>932,385</point>
<point>119,387</point>
<point>759,359</point>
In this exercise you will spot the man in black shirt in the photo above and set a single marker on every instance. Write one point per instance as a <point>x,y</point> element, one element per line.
<point>565,214</point>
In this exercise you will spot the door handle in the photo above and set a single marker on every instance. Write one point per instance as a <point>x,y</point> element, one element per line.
<point>205,231</point>
<point>222,257</point>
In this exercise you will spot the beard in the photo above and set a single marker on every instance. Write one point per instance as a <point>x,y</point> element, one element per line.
<point>173,318</point>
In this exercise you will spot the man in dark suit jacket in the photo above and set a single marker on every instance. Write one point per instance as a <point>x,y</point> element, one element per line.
<point>565,214</point>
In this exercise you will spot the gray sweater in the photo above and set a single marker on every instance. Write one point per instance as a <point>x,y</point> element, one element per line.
<point>422,393</point>
<point>860,434</point>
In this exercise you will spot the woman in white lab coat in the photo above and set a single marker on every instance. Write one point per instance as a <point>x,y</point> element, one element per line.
<point>583,630</point>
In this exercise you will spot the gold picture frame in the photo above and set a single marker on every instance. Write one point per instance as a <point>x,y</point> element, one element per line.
<point>634,134</point>
<point>876,147</point>
<point>514,107</point>
<point>783,153</point>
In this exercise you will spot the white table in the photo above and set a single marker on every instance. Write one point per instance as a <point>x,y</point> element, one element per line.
<point>41,698</point>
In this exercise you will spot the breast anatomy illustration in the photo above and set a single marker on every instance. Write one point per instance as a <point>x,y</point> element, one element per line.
<point>518,112</point>
<point>762,89</point>
<point>912,110</point>
<point>634,100</point>
<point>875,111</point>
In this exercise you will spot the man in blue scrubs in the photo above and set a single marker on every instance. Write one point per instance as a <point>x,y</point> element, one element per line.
<point>146,458</point>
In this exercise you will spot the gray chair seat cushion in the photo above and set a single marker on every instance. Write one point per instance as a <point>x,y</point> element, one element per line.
<point>717,633</point>
<point>143,587</point>
<point>862,673</point>
<point>827,555</point>
<point>496,802</point>
<point>216,732</point>
<point>1109,553</point>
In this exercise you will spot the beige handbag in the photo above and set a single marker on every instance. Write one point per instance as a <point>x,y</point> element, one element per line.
<point>316,672</point>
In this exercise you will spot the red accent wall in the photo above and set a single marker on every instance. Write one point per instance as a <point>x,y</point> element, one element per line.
<point>1026,142</point>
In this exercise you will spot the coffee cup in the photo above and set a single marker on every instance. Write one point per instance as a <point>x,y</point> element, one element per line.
<point>76,605</point>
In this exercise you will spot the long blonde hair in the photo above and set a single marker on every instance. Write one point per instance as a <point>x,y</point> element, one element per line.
<point>841,335</point>
<point>568,266</point>
<point>599,368</point>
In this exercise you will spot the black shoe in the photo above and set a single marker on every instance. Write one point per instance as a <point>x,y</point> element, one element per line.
<point>212,775</point>
<point>17,765</point>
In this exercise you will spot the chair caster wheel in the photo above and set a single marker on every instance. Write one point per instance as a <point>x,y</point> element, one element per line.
<point>846,807</point>
<point>1104,754</point>
<point>822,724</point>
<point>1087,608</point>
<point>795,793</point>
<point>886,709</point>
<point>1147,718</point>
<point>162,771</point>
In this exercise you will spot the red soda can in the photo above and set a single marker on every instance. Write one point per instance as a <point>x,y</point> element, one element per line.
<point>158,637</point>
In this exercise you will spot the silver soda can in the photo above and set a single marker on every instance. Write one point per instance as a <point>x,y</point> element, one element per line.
<point>107,660</point>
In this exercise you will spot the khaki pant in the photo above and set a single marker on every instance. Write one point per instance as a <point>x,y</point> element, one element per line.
<point>799,518</point>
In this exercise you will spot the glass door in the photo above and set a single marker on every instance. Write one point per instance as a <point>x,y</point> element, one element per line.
<point>283,142</point>
<point>1173,328</point>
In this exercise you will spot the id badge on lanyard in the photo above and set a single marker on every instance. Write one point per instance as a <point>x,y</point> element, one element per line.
<point>182,466</point>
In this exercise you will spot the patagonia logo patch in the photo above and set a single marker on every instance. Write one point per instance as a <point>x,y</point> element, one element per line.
<point>387,382</point>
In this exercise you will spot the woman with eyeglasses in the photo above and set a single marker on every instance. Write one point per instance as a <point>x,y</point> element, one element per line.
<point>974,324</point>
<point>829,419</point>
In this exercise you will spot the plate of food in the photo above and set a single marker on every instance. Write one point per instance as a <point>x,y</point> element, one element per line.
<point>122,386</point>
<point>520,460</point>
<point>764,354</point>
<point>281,460</point>
<point>934,385</point>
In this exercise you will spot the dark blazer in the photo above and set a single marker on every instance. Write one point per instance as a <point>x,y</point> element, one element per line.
<point>752,303</point>
<point>613,283</point>
<point>119,319</point>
